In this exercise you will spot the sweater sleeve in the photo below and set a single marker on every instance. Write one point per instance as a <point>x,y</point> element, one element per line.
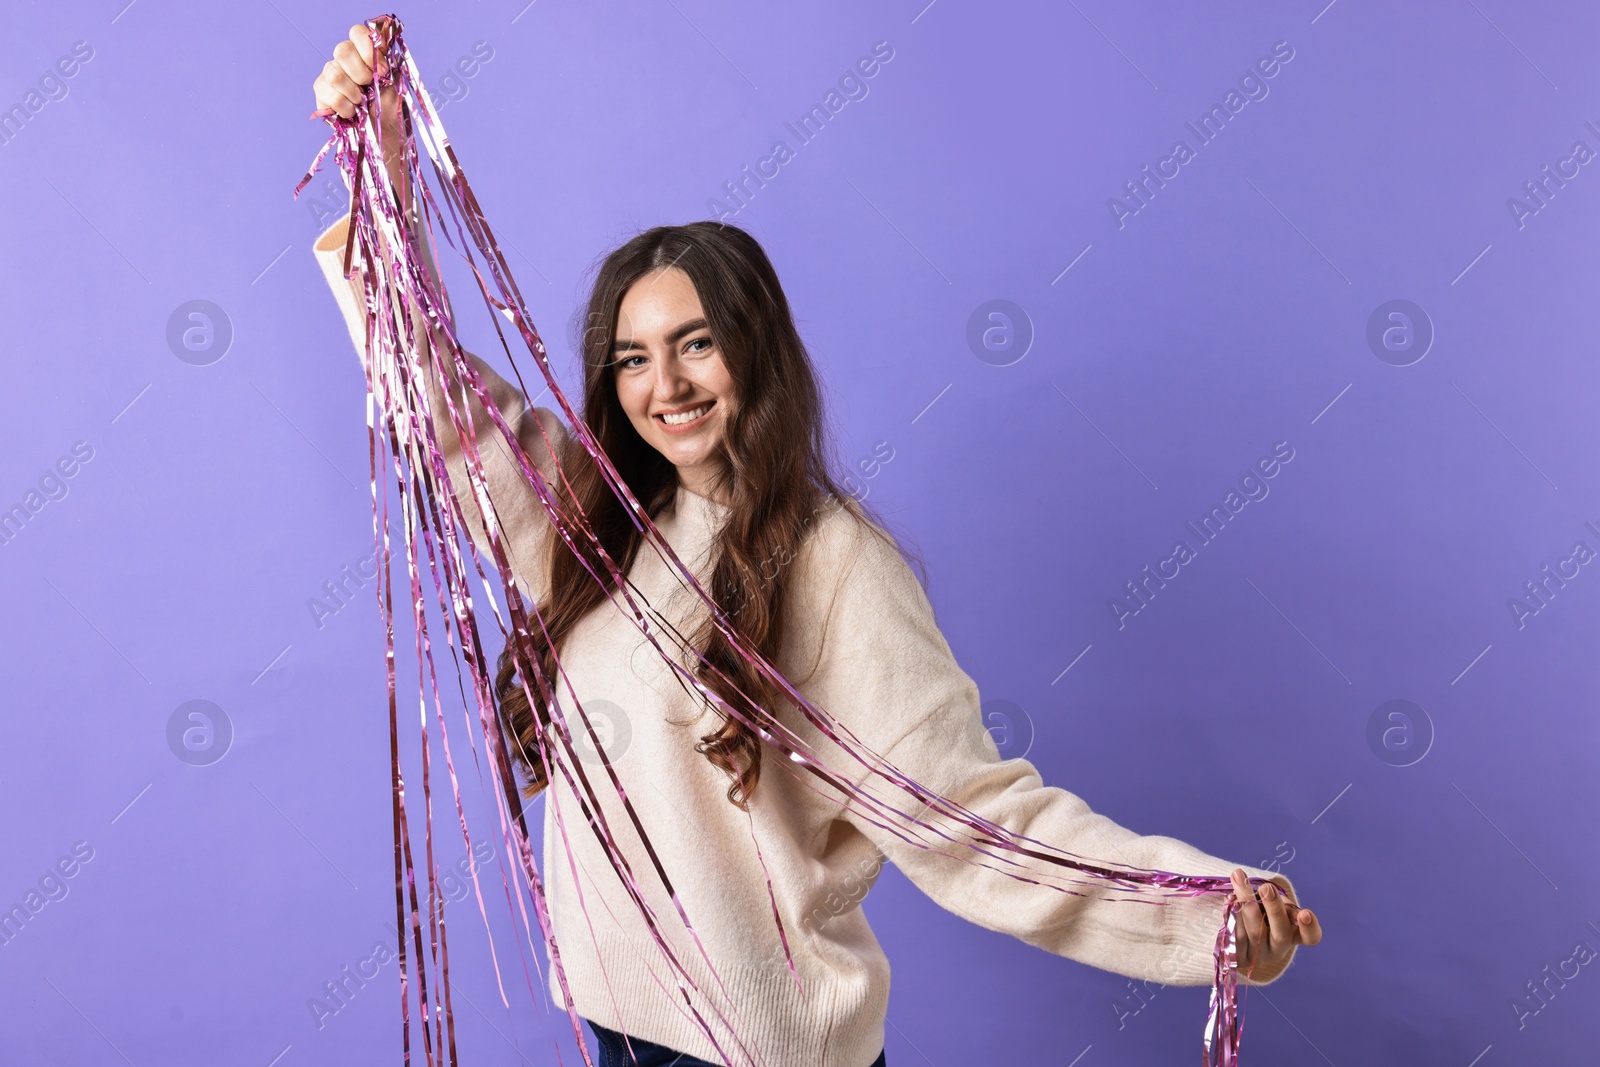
<point>524,524</point>
<point>885,671</point>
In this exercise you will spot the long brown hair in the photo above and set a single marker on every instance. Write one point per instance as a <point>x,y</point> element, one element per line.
<point>777,464</point>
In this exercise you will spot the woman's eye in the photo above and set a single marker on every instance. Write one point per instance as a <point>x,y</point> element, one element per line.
<point>625,364</point>
<point>700,341</point>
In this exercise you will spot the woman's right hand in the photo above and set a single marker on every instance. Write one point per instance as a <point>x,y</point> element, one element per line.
<point>345,77</point>
<point>342,84</point>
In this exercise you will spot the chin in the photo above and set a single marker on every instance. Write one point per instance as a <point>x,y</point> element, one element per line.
<point>689,457</point>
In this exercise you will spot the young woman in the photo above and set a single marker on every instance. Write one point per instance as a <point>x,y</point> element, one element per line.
<point>698,387</point>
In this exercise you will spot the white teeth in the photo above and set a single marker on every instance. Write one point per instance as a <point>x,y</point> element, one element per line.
<point>687,416</point>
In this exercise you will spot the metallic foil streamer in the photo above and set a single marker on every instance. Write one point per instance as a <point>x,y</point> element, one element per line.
<point>407,315</point>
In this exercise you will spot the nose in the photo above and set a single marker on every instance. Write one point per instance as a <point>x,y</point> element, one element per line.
<point>670,382</point>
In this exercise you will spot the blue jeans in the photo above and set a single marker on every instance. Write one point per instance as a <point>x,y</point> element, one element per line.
<point>613,1053</point>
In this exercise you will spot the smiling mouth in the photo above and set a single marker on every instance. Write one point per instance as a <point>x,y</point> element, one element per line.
<point>686,417</point>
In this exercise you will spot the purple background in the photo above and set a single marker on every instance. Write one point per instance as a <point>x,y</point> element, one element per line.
<point>1228,314</point>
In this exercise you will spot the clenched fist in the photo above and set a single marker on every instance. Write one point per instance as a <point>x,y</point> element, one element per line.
<point>344,78</point>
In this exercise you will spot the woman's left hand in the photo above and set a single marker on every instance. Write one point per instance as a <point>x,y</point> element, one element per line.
<point>1269,928</point>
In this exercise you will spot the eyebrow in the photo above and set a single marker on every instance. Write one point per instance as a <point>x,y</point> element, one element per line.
<point>678,333</point>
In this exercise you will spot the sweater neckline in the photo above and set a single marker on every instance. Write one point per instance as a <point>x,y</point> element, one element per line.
<point>703,503</point>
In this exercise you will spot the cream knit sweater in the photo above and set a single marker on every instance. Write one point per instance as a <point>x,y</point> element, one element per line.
<point>865,646</point>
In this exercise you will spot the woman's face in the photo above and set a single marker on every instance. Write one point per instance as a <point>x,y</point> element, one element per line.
<point>670,377</point>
